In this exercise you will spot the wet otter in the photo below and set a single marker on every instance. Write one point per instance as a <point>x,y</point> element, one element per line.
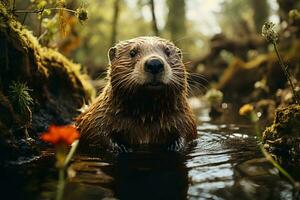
<point>144,100</point>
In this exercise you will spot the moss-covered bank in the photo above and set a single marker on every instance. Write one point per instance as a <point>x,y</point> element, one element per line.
<point>57,86</point>
<point>283,136</point>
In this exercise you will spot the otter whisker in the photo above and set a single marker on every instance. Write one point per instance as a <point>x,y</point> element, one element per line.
<point>198,80</point>
<point>120,73</point>
<point>176,83</point>
<point>196,74</point>
<point>193,89</point>
<point>120,83</point>
<point>131,85</point>
<point>197,87</point>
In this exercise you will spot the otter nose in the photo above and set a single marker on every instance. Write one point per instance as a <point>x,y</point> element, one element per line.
<point>154,66</point>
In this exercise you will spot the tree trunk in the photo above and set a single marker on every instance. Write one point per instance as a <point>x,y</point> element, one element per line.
<point>176,19</point>
<point>114,31</point>
<point>154,22</point>
<point>261,10</point>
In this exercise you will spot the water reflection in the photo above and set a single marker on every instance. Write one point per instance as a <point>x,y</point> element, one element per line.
<point>136,175</point>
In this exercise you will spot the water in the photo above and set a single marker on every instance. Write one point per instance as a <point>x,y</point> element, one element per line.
<point>223,163</point>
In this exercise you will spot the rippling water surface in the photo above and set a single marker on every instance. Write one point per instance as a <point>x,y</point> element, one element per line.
<point>223,163</point>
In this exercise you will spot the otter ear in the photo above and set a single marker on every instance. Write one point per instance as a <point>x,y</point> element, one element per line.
<point>112,53</point>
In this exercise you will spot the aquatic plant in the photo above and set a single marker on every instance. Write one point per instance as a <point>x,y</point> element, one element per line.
<point>248,111</point>
<point>62,137</point>
<point>268,31</point>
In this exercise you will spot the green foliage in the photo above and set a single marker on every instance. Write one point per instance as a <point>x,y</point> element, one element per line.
<point>50,24</point>
<point>40,4</point>
<point>19,95</point>
<point>49,14</point>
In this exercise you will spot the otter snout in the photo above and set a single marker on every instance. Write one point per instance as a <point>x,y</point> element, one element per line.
<point>154,65</point>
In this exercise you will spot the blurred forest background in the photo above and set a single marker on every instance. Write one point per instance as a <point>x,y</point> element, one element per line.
<point>211,33</point>
<point>189,23</point>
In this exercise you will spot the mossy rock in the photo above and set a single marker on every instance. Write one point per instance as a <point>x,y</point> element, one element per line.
<point>283,136</point>
<point>57,86</point>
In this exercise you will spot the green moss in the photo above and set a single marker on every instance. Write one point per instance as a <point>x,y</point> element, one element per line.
<point>284,133</point>
<point>73,71</point>
<point>286,123</point>
<point>29,43</point>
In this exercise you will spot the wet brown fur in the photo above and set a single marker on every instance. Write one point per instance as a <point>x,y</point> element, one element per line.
<point>127,113</point>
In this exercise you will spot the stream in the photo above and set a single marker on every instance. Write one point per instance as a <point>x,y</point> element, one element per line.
<point>224,162</point>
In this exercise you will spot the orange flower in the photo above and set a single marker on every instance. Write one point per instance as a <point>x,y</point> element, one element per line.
<point>246,109</point>
<point>60,134</point>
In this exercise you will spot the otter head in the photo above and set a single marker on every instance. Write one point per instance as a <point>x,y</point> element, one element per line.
<point>147,63</point>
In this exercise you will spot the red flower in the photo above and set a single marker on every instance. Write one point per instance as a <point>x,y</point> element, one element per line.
<point>61,134</point>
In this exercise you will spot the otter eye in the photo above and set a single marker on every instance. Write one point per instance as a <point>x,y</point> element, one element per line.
<point>133,53</point>
<point>167,51</point>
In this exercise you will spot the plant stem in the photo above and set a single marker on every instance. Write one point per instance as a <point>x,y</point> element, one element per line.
<point>284,68</point>
<point>61,184</point>
<point>40,24</point>
<point>24,19</point>
<point>41,10</point>
<point>65,9</point>
<point>28,11</point>
<point>14,6</point>
<point>62,169</point>
<point>71,153</point>
<point>276,165</point>
<point>42,35</point>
